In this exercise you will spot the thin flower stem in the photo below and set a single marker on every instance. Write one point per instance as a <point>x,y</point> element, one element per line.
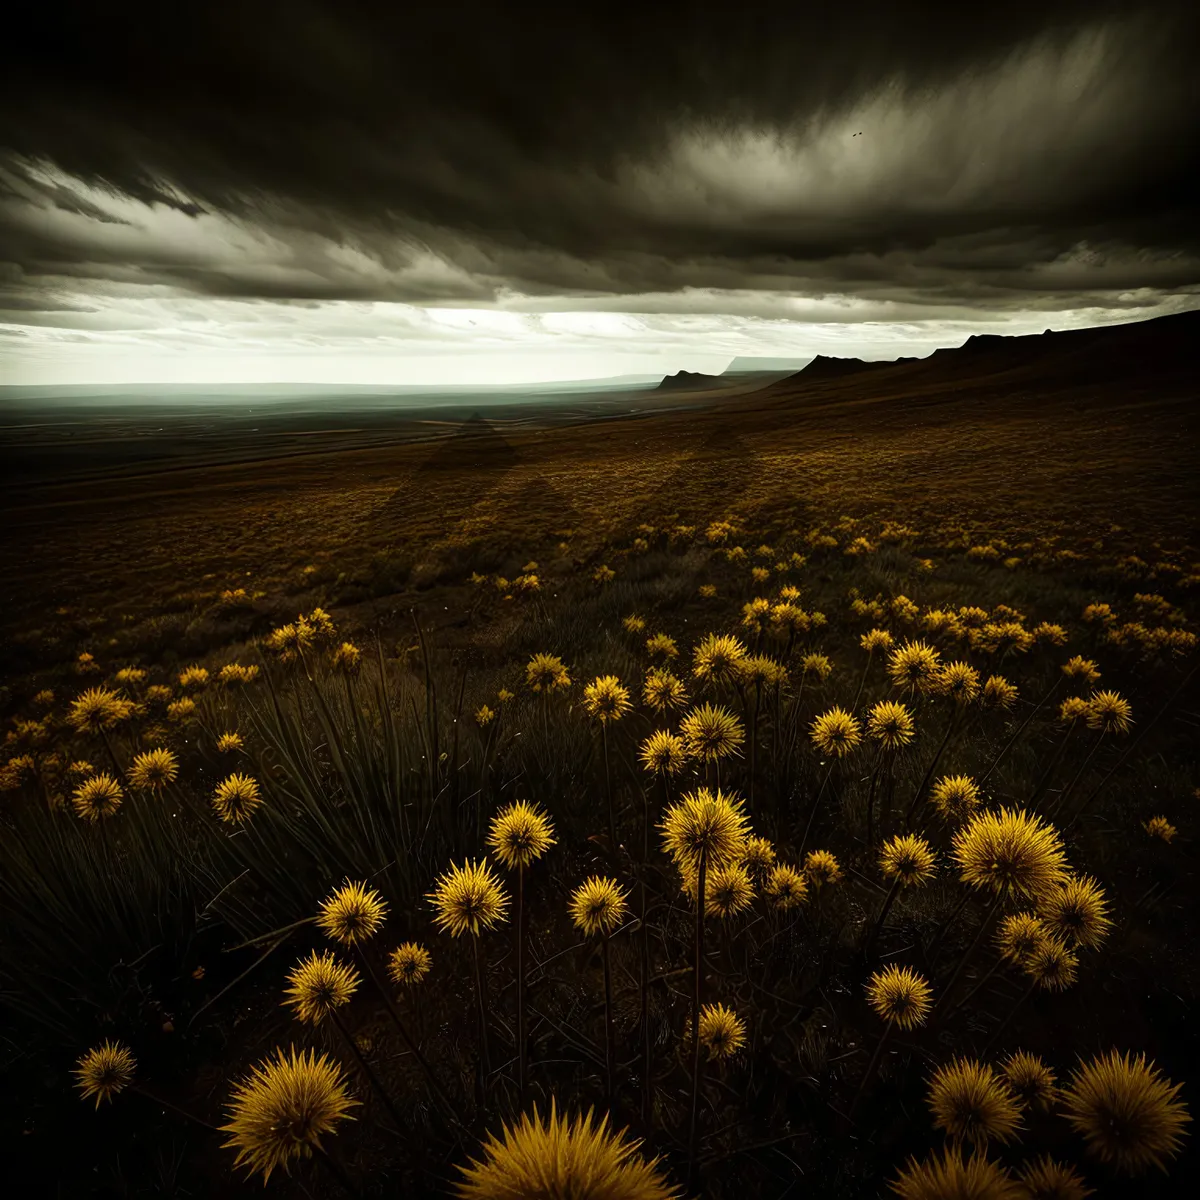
<point>335,1170</point>
<point>812,812</point>
<point>872,1067</point>
<point>920,792</point>
<point>141,1090</point>
<point>522,1065</point>
<point>1044,782</point>
<point>484,1056</point>
<point>1008,1018</point>
<point>372,1078</point>
<point>1020,730</point>
<point>608,796</point>
<point>608,1024</point>
<point>697,986</point>
<point>884,909</point>
<point>1065,794</point>
<point>969,953</point>
<point>945,926</point>
<point>862,682</point>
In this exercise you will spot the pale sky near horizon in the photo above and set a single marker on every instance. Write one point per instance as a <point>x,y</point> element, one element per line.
<point>292,193</point>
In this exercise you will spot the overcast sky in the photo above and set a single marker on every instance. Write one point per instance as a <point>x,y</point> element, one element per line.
<point>361,192</point>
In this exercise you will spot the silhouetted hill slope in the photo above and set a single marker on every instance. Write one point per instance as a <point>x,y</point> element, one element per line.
<point>686,380</point>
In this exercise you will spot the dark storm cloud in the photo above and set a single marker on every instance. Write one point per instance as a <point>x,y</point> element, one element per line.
<point>1016,153</point>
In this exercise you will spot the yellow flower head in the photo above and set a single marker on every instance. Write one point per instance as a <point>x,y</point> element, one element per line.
<point>760,671</point>
<point>1080,668</point>
<point>972,1103</point>
<point>1160,827</point>
<point>663,691</point>
<point>728,891</point>
<point>284,1109</point>
<point>1077,912</point>
<point>318,985</point>
<point>820,868</point>
<point>1045,1179</point>
<point>634,624</point>
<point>1032,1082</point>
<point>915,666</point>
<point>237,674</point>
<point>562,1159</point>
<point>1019,935</point>
<point>347,658</point>
<point>998,693</point>
<point>890,724</point>
<point>959,681</point>
<point>659,645</point>
<point>1072,709</point>
<point>1011,851</point>
<point>193,677</point>
<point>228,742</point>
<point>876,639</point>
<point>1047,634</point>
<point>484,716</point>
<point>722,1031</point>
<point>712,732</point>
<point>664,753</point>
<point>468,899</point>
<point>786,887</point>
<point>1109,713</point>
<point>520,834</point>
<point>606,698</point>
<point>352,913</point>
<point>955,797</point>
<point>409,963</point>
<point>153,769</point>
<point>816,664</point>
<point>836,732</point>
<point>182,710</point>
<point>236,798</point>
<point>104,1071</point>
<point>950,1175</point>
<point>908,859</point>
<point>712,825</point>
<point>1051,965</point>
<point>97,798</point>
<point>97,709</point>
<point>598,906</point>
<point>1129,1115</point>
<point>758,857</point>
<point>901,996</point>
<point>717,658</point>
<point>546,673</point>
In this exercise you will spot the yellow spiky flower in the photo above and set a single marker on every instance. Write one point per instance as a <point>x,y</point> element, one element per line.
<point>972,1103</point>
<point>915,666</point>
<point>352,913</point>
<point>664,753</point>
<point>347,658</point>
<point>598,906</point>
<point>728,891</point>
<point>153,769</point>
<point>876,639</point>
<point>786,887</point>
<point>758,857</point>
<point>949,1176</point>
<point>104,1071</point>
<point>562,1159</point>
<point>707,824</point>
<point>890,724</point>
<point>606,698</point>
<point>1012,852</point>
<point>1045,1179</point>
<point>409,963</point>
<point>318,985</point>
<point>546,673</point>
<point>663,691</point>
<point>661,645</point>
<point>1160,827</point>
<point>236,798</point>
<point>193,677</point>
<point>836,732</point>
<point>722,1031</point>
<point>468,899</point>
<point>97,798</point>
<point>908,859</point>
<point>959,681</point>
<point>900,996</point>
<point>1031,1080</point>
<point>821,868</point>
<point>955,797</point>
<point>1051,965</point>
<point>718,658</point>
<point>711,732</point>
<point>520,834</point>
<point>760,671</point>
<point>228,742</point>
<point>1077,912</point>
<point>816,664</point>
<point>1019,935</point>
<point>998,693</point>
<point>1129,1115</point>
<point>1109,713</point>
<point>97,709</point>
<point>284,1109</point>
<point>1080,668</point>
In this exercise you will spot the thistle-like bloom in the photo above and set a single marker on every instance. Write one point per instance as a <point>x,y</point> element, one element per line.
<point>1019,935</point>
<point>409,963</point>
<point>96,709</point>
<point>951,1177</point>
<point>900,996</point>
<point>319,984</point>
<point>1012,852</point>
<point>1072,709</point>
<point>520,834</point>
<point>97,798</point>
<point>722,1031</point>
<point>717,658</point>
<point>228,742</point>
<point>712,825</point>
<point>728,891</point>
<point>236,798</point>
<point>153,769</point>
<point>1129,1115</point>
<point>193,677</point>
<point>971,1102</point>
<point>959,681</point>
<point>468,899</point>
<point>104,1071</point>
<point>836,732</point>
<point>606,698</point>
<point>546,673</point>
<point>1083,669</point>
<point>1109,713</point>
<point>1077,912</point>
<point>1160,827</point>
<point>663,691</point>
<point>711,732</point>
<point>484,716</point>
<point>908,859</point>
<point>786,887</point>
<point>955,797</point>
<point>664,753</point>
<point>816,664</point>
<point>998,692</point>
<point>1032,1082</point>
<point>182,710</point>
<point>890,724</point>
<point>915,666</point>
<point>284,1109</point>
<point>758,857</point>
<point>661,645</point>
<point>564,1159</point>
<point>1051,966</point>
<point>352,913</point>
<point>346,658</point>
<point>876,639</point>
<point>1045,1179</point>
<point>759,671</point>
<point>598,906</point>
<point>820,868</point>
